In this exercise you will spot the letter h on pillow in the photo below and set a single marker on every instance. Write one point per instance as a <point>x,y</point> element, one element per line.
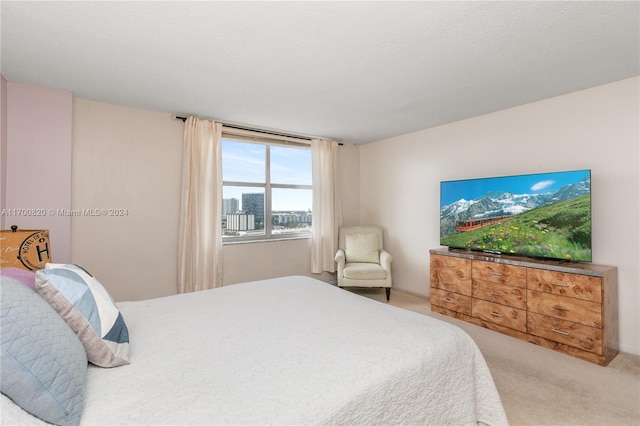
<point>89,310</point>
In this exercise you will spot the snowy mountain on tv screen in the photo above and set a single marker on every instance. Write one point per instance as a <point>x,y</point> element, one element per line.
<point>504,203</point>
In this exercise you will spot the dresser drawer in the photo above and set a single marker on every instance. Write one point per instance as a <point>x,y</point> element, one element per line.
<point>499,293</point>
<point>564,284</point>
<point>452,301</point>
<point>567,332</point>
<point>567,308</point>
<point>451,274</point>
<point>500,273</point>
<point>499,314</point>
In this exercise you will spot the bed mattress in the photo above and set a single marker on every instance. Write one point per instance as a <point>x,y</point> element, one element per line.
<point>291,350</point>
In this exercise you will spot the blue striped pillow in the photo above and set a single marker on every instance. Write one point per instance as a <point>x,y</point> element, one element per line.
<point>89,310</point>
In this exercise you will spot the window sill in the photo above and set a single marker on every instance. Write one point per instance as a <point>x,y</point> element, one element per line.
<point>266,240</point>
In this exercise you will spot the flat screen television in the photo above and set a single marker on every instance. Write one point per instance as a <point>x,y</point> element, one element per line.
<point>543,215</point>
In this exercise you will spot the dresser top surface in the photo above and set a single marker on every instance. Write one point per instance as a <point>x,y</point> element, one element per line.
<point>548,264</point>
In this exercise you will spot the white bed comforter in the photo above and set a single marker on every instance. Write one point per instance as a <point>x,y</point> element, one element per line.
<point>292,350</point>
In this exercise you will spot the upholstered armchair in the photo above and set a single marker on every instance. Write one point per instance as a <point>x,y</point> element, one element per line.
<point>361,258</point>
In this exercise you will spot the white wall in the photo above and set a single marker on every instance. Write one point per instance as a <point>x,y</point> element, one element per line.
<point>257,261</point>
<point>597,129</point>
<point>126,158</point>
<point>349,168</point>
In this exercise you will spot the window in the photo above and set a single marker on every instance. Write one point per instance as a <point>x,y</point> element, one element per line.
<point>266,189</point>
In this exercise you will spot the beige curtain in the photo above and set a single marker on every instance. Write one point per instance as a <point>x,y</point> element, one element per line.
<point>200,232</point>
<point>327,208</point>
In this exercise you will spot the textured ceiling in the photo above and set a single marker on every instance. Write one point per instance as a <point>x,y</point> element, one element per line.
<point>351,71</point>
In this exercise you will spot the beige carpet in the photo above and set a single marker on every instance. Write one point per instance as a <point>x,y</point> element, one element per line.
<point>539,386</point>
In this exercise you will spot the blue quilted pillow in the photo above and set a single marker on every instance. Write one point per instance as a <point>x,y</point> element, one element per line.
<point>43,363</point>
<point>89,310</point>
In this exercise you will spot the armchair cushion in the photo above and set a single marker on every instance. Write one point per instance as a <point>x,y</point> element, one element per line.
<point>361,248</point>
<point>364,271</point>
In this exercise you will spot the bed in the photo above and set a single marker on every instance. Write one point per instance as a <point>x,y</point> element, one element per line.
<point>291,350</point>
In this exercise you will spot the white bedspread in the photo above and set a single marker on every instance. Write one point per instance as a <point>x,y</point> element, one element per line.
<point>291,350</point>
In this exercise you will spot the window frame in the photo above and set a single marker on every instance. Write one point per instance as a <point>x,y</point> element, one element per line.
<point>268,140</point>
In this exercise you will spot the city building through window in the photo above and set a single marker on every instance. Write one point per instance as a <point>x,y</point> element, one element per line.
<point>267,188</point>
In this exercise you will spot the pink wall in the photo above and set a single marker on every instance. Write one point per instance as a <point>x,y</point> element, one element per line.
<point>38,163</point>
<point>3,148</point>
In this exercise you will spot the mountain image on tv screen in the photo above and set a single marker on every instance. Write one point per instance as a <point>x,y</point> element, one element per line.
<point>546,215</point>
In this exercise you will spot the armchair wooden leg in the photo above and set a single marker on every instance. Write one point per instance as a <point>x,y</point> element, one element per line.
<point>388,290</point>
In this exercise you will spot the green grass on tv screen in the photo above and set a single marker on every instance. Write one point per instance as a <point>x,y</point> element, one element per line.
<point>561,231</point>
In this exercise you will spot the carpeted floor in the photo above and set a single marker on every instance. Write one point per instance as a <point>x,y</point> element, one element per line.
<point>539,386</point>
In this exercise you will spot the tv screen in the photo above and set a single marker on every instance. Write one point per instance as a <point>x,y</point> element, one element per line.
<point>543,215</point>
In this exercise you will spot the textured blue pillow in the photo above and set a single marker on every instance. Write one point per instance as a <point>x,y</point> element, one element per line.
<point>89,310</point>
<point>43,363</point>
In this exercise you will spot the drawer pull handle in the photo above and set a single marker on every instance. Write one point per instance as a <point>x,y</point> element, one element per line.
<point>495,314</point>
<point>448,300</point>
<point>560,308</point>
<point>497,273</point>
<point>495,293</point>
<point>560,284</point>
<point>447,283</point>
<point>564,333</point>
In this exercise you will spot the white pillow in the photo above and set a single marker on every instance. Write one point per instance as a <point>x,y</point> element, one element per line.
<point>361,248</point>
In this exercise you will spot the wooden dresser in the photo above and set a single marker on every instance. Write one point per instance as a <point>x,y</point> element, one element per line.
<point>569,307</point>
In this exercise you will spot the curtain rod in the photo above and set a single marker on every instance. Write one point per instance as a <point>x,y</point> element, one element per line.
<point>304,138</point>
<point>232,126</point>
